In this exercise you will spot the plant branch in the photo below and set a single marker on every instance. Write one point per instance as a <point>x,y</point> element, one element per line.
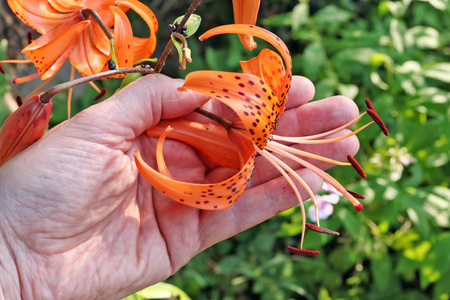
<point>179,28</point>
<point>79,81</point>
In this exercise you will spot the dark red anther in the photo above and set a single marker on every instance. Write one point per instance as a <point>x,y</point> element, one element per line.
<point>356,195</point>
<point>303,252</point>
<point>320,229</point>
<point>369,104</point>
<point>1,69</point>
<point>19,101</point>
<point>372,113</point>
<point>356,166</point>
<point>101,94</point>
<point>30,36</point>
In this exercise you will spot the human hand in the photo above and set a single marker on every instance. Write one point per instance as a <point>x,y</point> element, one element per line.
<point>79,222</point>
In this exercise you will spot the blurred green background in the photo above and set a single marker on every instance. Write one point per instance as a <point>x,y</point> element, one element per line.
<point>397,54</point>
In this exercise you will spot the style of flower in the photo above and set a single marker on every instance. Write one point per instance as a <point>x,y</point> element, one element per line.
<point>246,12</point>
<point>258,96</point>
<point>77,30</point>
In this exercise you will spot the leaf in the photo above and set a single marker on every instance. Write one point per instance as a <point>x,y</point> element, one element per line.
<point>381,267</point>
<point>439,71</point>
<point>160,290</point>
<point>192,24</point>
<point>300,15</point>
<point>331,14</point>
<point>314,59</point>
<point>397,30</point>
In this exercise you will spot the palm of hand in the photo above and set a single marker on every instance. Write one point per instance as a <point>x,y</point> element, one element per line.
<point>101,228</point>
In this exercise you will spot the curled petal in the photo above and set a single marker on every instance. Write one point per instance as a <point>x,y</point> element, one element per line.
<point>143,47</point>
<point>39,15</point>
<point>51,50</point>
<point>246,12</point>
<point>123,38</point>
<point>208,138</point>
<point>252,100</point>
<point>212,196</point>
<point>268,37</point>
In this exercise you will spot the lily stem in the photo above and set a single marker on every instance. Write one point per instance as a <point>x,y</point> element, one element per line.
<point>221,121</point>
<point>169,46</point>
<point>45,97</point>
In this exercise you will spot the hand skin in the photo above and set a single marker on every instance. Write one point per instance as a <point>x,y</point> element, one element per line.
<point>77,221</point>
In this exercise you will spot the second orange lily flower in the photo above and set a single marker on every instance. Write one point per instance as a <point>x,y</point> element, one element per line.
<point>68,31</point>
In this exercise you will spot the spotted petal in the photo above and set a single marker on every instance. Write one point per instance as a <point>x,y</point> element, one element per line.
<point>268,37</point>
<point>51,50</point>
<point>212,196</point>
<point>252,99</point>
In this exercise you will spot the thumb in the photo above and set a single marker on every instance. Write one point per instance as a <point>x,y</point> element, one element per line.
<point>141,105</point>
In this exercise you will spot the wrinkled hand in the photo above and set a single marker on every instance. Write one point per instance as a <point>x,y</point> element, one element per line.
<point>78,222</point>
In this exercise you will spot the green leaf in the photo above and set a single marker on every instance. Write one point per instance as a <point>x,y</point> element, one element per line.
<point>192,24</point>
<point>160,290</point>
<point>439,71</point>
<point>437,261</point>
<point>314,59</point>
<point>381,267</point>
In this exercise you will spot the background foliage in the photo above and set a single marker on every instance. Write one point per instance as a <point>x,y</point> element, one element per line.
<point>397,54</point>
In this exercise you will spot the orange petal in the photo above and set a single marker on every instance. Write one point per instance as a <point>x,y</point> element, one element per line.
<point>252,100</point>
<point>268,37</point>
<point>208,138</point>
<point>268,65</point>
<point>86,57</point>
<point>246,12</point>
<point>49,51</point>
<point>39,15</point>
<point>143,47</point>
<point>212,196</point>
<point>123,38</point>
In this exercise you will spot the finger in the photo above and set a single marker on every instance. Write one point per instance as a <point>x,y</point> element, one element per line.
<point>256,205</point>
<point>139,106</point>
<point>301,91</point>
<point>317,117</point>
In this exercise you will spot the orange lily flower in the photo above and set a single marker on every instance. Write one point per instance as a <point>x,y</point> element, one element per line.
<point>246,12</point>
<point>68,31</point>
<point>258,97</point>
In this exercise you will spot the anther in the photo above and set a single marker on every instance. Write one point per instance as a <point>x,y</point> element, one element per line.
<point>19,101</point>
<point>303,252</point>
<point>30,36</point>
<point>320,229</point>
<point>356,166</point>
<point>369,104</point>
<point>356,195</point>
<point>101,94</point>
<point>372,113</point>
<point>111,65</point>
<point>1,69</point>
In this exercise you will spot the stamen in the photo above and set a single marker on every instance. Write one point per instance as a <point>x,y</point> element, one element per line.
<point>356,166</point>
<point>30,36</point>
<point>16,61</point>
<point>320,229</point>
<point>377,119</point>
<point>95,87</point>
<point>19,80</point>
<point>303,252</point>
<point>369,104</point>
<point>307,154</point>
<point>358,206</point>
<point>308,140</point>
<point>273,160</point>
<point>1,69</point>
<point>19,101</point>
<point>69,96</point>
<point>101,94</point>
<point>356,195</point>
